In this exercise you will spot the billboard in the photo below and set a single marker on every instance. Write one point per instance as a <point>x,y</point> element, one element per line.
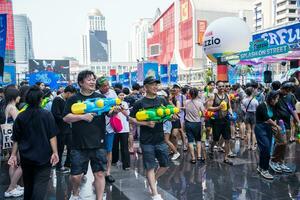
<point>98,46</point>
<point>3,27</point>
<point>133,78</point>
<point>150,69</point>
<point>201,26</point>
<point>47,77</point>
<point>126,80</point>
<point>60,67</point>
<point>9,75</point>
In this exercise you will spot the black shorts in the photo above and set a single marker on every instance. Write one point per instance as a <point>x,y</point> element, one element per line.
<point>176,124</point>
<point>208,123</point>
<point>193,131</point>
<point>80,160</point>
<point>221,127</point>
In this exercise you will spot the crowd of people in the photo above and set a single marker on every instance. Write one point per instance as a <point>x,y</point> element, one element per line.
<point>211,117</point>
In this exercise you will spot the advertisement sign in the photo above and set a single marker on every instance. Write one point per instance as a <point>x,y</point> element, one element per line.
<point>9,75</point>
<point>164,76</point>
<point>126,79</point>
<point>98,46</point>
<point>201,25</point>
<point>275,50</point>
<point>173,73</point>
<point>59,67</point>
<point>113,80</point>
<point>133,78</point>
<point>184,11</point>
<point>283,35</point>
<point>150,69</point>
<point>47,77</point>
<point>121,78</point>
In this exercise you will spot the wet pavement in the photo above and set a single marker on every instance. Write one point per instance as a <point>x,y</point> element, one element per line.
<point>185,181</point>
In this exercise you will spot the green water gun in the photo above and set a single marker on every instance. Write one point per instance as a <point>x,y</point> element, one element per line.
<point>157,114</point>
<point>43,104</point>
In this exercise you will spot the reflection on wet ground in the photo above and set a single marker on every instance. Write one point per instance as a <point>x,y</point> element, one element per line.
<point>185,181</point>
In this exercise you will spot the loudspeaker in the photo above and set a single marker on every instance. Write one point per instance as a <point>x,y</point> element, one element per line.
<point>1,66</point>
<point>268,77</point>
<point>294,64</point>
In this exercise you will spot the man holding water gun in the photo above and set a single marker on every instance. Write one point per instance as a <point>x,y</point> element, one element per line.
<point>152,135</point>
<point>88,132</point>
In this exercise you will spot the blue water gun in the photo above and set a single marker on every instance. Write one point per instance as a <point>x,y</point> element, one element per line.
<point>282,126</point>
<point>232,117</point>
<point>95,105</point>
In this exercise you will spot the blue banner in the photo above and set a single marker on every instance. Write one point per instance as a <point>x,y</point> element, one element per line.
<point>164,76</point>
<point>283,35</point>
<point>126,79</point>
<point>3,27</point>
<point>121,78</point>
<point>173,73</point>
<point>9,75</point>
<point>133,78</point>
<point>47,77</point>
<point>150,69</point>
<point>113,80</point>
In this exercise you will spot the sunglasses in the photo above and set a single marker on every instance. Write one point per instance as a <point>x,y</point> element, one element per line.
<point>221,86</point>
<point>228,86</point>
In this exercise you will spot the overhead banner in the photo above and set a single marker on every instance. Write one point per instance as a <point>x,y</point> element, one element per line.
<point>164,76</point>
<point>173,73</point>
<point>3,28</point>
<point>133,78</point>
<point>284,35</point>
<point>126,79</point>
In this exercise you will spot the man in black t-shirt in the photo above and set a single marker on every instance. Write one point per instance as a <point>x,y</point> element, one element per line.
<point>88,133</point>
<point>152,136</point>
<point>64,136</point>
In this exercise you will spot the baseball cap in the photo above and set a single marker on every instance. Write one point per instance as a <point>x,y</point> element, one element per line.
<point>176,85</point>
<point>150,80</point>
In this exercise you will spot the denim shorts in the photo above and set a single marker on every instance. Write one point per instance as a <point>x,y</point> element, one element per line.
<point>109,140</point>
<point>167,127</point>
<point>158,151</point>
<point>80,160</point>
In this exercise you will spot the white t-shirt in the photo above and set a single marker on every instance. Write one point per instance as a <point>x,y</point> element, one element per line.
<point>123,118</point>
<point>110,94</point>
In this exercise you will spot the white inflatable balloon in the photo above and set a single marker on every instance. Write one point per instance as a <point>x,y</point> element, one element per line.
<point>226,36</point>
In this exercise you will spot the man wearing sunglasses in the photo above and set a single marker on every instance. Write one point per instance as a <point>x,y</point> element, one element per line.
<point>221,124</point>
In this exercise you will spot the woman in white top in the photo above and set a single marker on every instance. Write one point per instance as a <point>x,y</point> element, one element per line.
<point>249,105</point>
<point>12,97</point>
<point>122,137</point>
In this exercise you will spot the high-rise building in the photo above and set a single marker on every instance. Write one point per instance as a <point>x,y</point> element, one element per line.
<point>137,47</point>
<point>23,38</point>
<point>269,13</point>
<point>6,8</point>
<point>95,45</point>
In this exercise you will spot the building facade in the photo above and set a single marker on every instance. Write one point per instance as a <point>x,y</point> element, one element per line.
<point>95,43</point>
<point>140,31</point>
<point>103,68</point>
<point>270,13</point>
<point>6,8</point>
<point>23,38</point>
<point>178,33</point>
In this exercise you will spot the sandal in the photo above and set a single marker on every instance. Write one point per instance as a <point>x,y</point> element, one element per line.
<point>227,161</point>
<point>199,158</point>
<point>193,161</point>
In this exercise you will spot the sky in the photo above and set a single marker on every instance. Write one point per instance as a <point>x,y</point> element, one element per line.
<point>58,24</point>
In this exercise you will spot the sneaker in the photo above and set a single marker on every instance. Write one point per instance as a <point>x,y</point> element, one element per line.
<point>20,188</point>
<point>175,156</point>
<point>258,169</point>
<point>185,148</point>
<point>215,147</point>
<point>157,197</point>
<point>285,168</point>
<point>72,197</point>
<point>275,167</point>
<point>14,193</point>
<point>109,179</point>
<point>232,155</point>
<point>266,174</point>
